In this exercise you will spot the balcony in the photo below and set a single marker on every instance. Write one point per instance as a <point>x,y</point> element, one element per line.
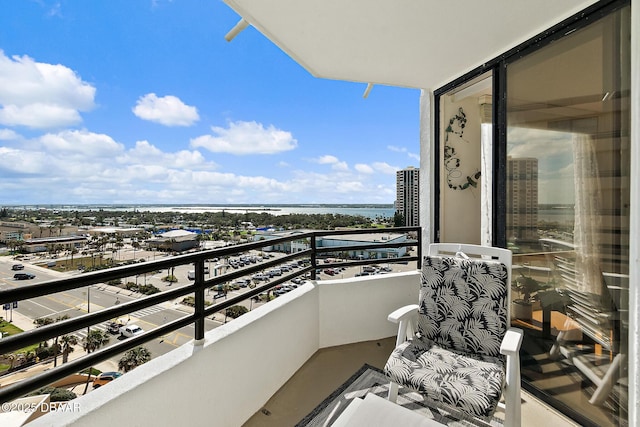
<point>270,366</point>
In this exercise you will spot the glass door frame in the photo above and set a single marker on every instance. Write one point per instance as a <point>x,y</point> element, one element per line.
<point>498,68</point>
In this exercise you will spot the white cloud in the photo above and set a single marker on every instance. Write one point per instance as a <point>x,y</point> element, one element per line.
<point>403,150</point>
<point>380,167</point>
<point>144,153</point>
<point>327,159</point>
<point>244,138</point>
<point>384,168</point>
<point>335,163</point>
<point>340,166</point>
<point>12,162</point>
<point>362,168</point>
<point>41,96</point>
<point>81,142</point>
<point>8,135</point>
<point>396,149</point>
<point>78,166</point>
<point>167,110</point>
<point>39,116</point>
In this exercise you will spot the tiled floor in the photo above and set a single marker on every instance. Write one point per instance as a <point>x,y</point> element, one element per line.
<point>330,367</point>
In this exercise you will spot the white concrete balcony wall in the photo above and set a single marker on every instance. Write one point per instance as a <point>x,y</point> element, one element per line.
<point>239,366</point>
<point>355,310</point>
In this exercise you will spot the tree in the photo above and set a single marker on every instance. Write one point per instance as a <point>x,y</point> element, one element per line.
<point>236,311</point>
<point>73,251</point>
<point>134,358</point>
<point>66,343</point>
<point>92,342</point>
<point>398,219</point>
<point>11,358</point>
<point>56,394</point>
<point>135,245</point>
<point>56,346</point>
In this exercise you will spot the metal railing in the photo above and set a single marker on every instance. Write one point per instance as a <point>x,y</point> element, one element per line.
<point>197,288</point>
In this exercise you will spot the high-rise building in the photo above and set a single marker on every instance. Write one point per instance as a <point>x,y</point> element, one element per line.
<point>522,184</point>
<point>408,195</point>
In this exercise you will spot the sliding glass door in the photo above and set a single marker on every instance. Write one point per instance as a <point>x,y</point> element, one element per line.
<point>533,154</point>
<point>567,215</point>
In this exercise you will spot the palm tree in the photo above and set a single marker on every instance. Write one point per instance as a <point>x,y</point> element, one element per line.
<point>135,245</point>
<point>56,347</point>
<point>66,343</point>
<point>73,251</point>
<point>134,358</point>
<point>92,342</point>
<point>11,358</point>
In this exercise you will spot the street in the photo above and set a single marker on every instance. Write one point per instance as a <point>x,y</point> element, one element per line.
<point>75,302</point>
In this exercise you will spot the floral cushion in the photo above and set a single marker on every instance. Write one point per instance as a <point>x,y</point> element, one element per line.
<point>455,356</point>
<point>471,384</point>
<point>463,304</point>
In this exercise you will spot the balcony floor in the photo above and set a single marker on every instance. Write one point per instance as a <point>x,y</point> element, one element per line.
<point>330,367</point>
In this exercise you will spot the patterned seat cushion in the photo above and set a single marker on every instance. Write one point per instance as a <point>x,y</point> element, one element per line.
<point>471,384</point>
<point>463,304</point>
<point>455,356</point>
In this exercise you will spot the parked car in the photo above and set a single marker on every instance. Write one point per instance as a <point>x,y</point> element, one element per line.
<point>243,283</point>
<point>24,276</point>
<point>17,267</point>
<point>114,327</point>
<point>105,378</point>
<point>131,331</point>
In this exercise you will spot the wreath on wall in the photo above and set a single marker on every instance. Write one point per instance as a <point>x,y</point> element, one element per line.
<point>455,177</point>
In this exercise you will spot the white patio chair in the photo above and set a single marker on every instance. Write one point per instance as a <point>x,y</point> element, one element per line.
<point>463,353</point>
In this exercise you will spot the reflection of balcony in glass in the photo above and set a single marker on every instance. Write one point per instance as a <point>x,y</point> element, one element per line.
<point>522,184</point>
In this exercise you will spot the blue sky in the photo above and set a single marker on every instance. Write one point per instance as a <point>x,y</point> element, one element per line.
<point>145,102</point>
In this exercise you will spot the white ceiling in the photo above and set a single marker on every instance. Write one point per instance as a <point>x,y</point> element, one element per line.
<point>409,43</point>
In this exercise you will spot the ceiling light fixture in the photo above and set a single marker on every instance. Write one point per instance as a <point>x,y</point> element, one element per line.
<point>241,25</point>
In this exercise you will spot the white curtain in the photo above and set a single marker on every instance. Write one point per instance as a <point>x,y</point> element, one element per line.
<point>588,215</point>
<point>486,183</point>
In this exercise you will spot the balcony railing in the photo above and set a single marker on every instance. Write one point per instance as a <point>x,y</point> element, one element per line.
<point>197,288</point>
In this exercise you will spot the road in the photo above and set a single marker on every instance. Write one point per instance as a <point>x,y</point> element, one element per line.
<point>75,302</point>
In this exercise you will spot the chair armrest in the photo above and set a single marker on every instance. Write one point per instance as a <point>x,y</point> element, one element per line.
<point>511,342</point>
<point>403,313</point>
<point>404,317</point>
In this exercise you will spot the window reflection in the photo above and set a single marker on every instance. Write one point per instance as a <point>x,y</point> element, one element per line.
<point>568,217</point>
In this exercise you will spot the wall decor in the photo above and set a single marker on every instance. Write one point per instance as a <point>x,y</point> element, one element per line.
<point>456,179</point>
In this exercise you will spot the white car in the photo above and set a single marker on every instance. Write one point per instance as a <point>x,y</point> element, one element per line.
<point>129,331</point>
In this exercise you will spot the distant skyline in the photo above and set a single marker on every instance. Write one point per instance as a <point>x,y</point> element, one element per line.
<point>144,102</point>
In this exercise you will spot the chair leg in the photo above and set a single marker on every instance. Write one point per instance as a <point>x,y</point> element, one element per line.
<point>608,381</point>
<point>512,413</point>
<point>393,392</point>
